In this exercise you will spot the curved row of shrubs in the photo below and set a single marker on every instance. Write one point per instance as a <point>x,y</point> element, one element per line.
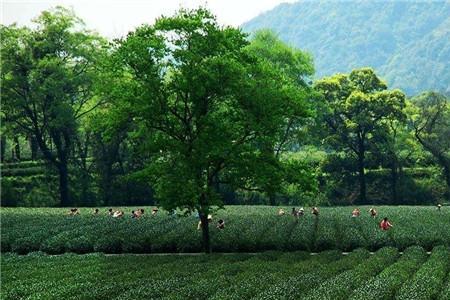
<point>269,275</point>
<point>248,229</point>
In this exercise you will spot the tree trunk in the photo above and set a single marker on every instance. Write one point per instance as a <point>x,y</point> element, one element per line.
<point>400,180</point>
<point>17,148</point>
<point>84,195</point>
<point>446,172</point>
<point>394,182</point>
<point>106,183</point>
<point>362,180</point>
<point>205,233</point>
<point>361,172</point>
<point>33,147</point>
<point>272,199</point>
<point>64,184</point>
<point>3,147</point>
<point>442,160</point>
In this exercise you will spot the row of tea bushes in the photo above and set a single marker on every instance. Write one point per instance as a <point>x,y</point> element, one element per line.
<point>248,229</point>
<point>268,275</point>
<point>386,284</point>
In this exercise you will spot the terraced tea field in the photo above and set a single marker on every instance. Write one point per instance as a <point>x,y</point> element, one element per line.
<point>271,275</point>
<point>248,229</point>
<point>398,267</point>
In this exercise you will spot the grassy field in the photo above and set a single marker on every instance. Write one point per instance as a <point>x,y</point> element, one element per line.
<point>248,229</point>
<point>271,275</point>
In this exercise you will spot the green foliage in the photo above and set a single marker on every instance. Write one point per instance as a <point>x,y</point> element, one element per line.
<point>429,278</point>
<point>406,42</point>
<point>356,108</point>
<point>48,77</point>
<point>341,286</point>
<point>186,113</point>
<point>415,186</point>
<point>295,63</point>
<point>386,284</point>
<point>205,108</point>
<point>169,277</point>
<point>248,229</point>
<point>430,118</point>
<point>295,285</point>
<point>446,291</point>
<point>270,275</point>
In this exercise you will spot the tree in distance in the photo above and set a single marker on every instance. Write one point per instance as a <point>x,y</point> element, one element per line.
<point>430,118</point>
<point>355,107</point>
<point>48,74</point>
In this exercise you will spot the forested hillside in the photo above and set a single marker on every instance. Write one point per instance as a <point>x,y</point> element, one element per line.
<point>218,119</point>
<point>406,42</point>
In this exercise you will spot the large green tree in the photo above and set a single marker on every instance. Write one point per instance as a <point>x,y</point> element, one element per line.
<point>430,117</point>
<point>298,66</point>
<point>356,106</point>
<point>48,75</point>
<point>203,107</point>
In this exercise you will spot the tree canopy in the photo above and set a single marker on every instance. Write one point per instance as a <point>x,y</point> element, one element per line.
<point>431,121</point>
<point>356,106</point>
<point>48,78</point>
<point>205,107</point>
<point>190,115</point>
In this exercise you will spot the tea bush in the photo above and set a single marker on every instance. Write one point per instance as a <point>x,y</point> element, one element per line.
<point>385,284</point>
<point>429,278</point>
<point>268,275</point>
<point>248,229</point>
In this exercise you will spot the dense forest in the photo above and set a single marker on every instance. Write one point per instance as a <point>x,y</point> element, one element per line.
<point>186,113</point>
<point>406,42</point>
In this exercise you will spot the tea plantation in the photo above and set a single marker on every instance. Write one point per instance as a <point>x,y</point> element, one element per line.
<point>384,274</point>
<point>248,229</point>
<point>380,265</point>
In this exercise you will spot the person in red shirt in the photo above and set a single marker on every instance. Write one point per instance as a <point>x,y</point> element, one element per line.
<point>385,225</point>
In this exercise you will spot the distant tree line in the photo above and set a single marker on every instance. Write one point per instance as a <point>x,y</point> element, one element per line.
<point>188,114</point>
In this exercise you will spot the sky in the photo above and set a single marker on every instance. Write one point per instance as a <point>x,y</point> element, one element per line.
<point>114,18</point>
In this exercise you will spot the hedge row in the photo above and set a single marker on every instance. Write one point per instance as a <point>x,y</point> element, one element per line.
<point>269,275</point>
<point>248,229</point>
<point>341,286</point>
<point>429,278</point>
<point>386,284</point>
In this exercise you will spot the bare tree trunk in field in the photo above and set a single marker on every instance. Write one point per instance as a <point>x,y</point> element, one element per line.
<point>205,233</point>
<point>362,179</point>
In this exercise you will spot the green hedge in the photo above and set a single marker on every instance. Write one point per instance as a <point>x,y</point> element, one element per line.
<point>342,285</point>
<point>426,283</point>
<point>386,284</point>
<point>248,229</point>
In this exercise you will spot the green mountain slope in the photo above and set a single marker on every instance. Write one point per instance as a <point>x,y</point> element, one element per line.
<point>407,42</point>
